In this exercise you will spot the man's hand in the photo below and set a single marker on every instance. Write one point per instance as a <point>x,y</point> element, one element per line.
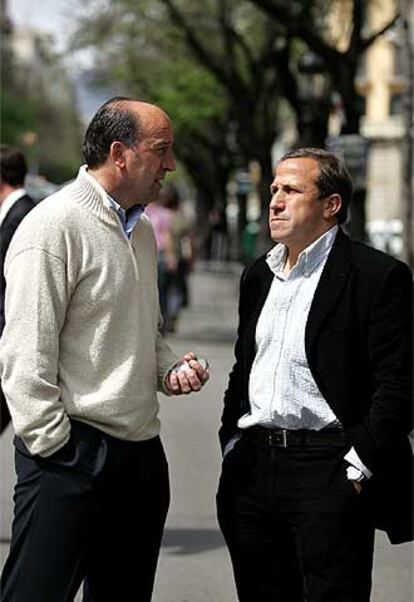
<point>355,475</point>
<point>188,375</point>
<point>358,486</point>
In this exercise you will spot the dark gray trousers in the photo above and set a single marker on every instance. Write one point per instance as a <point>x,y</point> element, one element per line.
<point>296,529</point>
<point>93,511</point>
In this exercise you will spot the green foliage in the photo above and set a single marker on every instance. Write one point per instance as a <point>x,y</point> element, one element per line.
<point>216,67</point>
<point>38,115</point>
<point>147,57</point>
<point>189,94</point>
<point>17,116</point>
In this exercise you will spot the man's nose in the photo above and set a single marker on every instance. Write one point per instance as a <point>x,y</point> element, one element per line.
<point>169,163</point>
<point>277,201</point>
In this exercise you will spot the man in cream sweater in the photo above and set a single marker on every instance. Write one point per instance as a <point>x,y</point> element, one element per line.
<point>81,361</point>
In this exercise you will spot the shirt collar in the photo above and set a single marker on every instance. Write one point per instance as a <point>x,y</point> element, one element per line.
<point>129,218</point>
<point>308,260</point>
<point>9,201</point>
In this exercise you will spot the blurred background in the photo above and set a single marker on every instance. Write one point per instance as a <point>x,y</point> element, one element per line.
<point>244,81</point>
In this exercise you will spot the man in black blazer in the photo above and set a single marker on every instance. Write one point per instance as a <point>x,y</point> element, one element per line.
<point>15,203</point>
<point>319,402</point>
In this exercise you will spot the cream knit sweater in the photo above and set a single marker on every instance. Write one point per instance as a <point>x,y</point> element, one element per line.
<point>81,337</point>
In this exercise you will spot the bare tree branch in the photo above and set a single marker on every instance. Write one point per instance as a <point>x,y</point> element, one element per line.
<point>287,79</point>
<point>303,28</point>
<point>358,14</point>
<point>234,83</point>
<point>368,41</point>
<point>241,43</point>
<point>226,31</point>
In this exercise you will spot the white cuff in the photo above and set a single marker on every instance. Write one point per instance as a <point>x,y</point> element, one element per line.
<point>230,444</point>
<point>353,474</point>
<point>353,458</point>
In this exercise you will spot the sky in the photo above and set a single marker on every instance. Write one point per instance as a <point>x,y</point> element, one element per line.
<point>57,17</point>
<point>53,16</point>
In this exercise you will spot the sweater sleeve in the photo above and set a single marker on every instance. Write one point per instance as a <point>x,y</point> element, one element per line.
<point>166,359</point>
<point>36,300</point>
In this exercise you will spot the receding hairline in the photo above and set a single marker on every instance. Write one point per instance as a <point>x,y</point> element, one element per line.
<point>317,165</point>
<point>142,110</point>
<point>284,160</point>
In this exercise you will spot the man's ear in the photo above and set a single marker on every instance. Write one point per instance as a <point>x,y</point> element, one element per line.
<point>3,191</point>
<point>117,153</point>
<point>333,204</point>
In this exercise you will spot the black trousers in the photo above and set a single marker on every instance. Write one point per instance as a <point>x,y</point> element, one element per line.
<point>295,527</point>
<point>93,511</point>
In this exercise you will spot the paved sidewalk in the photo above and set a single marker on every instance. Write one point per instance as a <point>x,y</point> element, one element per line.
<point>194,565</point>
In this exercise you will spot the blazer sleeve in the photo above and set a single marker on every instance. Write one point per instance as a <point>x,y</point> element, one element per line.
<point>390,353</point>
<point>10,225</point>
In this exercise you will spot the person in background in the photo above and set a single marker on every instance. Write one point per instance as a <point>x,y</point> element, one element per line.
<point>81,360</point>
<point>183,249</point>
<point>167,262</point>
<point>15,204</point>
<point>319,402</point>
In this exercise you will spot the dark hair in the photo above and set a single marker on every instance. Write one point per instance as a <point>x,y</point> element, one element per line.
<point>114,121</point>
<point>13,165</point>
<point>333,176</point>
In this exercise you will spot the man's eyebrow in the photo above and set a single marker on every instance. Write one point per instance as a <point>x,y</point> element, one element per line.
<point>159,144</point>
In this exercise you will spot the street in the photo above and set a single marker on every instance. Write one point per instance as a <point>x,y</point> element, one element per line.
<point>194,565</point>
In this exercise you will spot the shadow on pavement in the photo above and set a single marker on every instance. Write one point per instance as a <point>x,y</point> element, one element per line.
<point>191,541</point>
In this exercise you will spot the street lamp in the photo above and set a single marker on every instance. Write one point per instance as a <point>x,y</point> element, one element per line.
<point>315,100</point>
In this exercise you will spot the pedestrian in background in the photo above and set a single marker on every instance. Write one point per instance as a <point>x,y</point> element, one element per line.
<point>160,218</point>
<point>81,361</point>
<point>319,401</point>
<point>184,252</point>
<point>15,204</point>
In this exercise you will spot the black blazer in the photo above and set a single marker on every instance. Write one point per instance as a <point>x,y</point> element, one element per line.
<point>358,342</point>
<point>7,229</point>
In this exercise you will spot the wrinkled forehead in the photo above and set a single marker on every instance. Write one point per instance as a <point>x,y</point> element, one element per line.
<point>300,168</point>
<point>156,125</point>
<point>159,136</point>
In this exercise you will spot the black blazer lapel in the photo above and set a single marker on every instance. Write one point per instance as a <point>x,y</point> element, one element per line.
<point>330,287</point>
<point>258,291</point>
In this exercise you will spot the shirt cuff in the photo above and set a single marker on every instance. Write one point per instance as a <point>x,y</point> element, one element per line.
<point>353,459</point>
<point>230,444</point>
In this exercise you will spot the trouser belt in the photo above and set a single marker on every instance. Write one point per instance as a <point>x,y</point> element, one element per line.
<point>296,438</point>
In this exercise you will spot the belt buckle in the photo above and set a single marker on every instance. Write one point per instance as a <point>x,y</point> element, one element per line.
<point>274,438</point>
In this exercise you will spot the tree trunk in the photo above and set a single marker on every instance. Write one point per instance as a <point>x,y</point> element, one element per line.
<point>264,241</point>
<point>353,109</point>
<point>408,151</point>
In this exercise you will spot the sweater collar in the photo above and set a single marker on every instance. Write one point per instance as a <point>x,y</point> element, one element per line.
<point>91,195</point>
